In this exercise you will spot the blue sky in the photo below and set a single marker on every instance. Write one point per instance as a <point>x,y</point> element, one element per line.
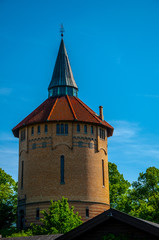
<point>113,47</point>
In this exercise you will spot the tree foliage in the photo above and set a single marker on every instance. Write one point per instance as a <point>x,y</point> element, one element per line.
<point>145,195</point>
<point>60,218</point>
<point>8,201</point>
<point>142,199</point>
<point>118,186</point>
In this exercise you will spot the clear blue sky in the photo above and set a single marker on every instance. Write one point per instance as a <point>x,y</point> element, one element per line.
<point>113,47</point>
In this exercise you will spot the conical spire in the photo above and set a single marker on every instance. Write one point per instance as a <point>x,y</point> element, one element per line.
<point>62,82</point>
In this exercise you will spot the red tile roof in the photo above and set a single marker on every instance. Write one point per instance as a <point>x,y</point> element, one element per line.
<point>64,108</point>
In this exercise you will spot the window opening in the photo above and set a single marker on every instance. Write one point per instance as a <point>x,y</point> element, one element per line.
<point>34,146</point>
<point>38,129</point>
<point>66,128</point>
<point>87,212</point>
<point>92,130</point>
<point>103,177</point>
<point>62,170</point>
<point>102,134</point>
<point>23,135</point>
<point>78,127</point>
<point>46,128</point>
<point>22,173</point>
<point>62,129</point>
<point>32,131</point>
<point>37,213</point>
<point>85,128</point>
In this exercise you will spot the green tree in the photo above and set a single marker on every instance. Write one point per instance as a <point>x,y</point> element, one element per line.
<point>8,201</point>
<point>145,195</point>
<point>119,188</point>
<point>60,218</point>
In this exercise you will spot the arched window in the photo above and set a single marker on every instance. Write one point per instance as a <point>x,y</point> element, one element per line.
<point>22,173</point>
<point>62,169</point>
<point>103,177</point>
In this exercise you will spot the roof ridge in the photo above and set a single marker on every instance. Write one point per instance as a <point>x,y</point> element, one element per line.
<point>52,109</point>
<point>87,109</point>
<point>70,104</point>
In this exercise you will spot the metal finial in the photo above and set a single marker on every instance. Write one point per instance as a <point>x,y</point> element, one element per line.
<point>62,30</point>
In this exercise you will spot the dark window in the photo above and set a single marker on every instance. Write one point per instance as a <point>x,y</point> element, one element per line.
<point>85,128</point>
<point>92,130</point>
<point>78,127</point>
<point>90,145</point>
<point>66,128</point>
<point>103,173</point>
<point>58,129</point>
<point>44,145</point>
<point>37,213</point>
<point>87,212</point>
<point>22,173</point>
<point>23,135</point>
<point>38,129</point>
<point>70,91</point>
<point>80,144</point>
<point>34,146</point>
<point>102,133</point>
<point>32,131</point>
<point>46,128</point>
<point>62,90</point>
<point>62,128</point>
<point>55,91</point>
<point>62,170</point>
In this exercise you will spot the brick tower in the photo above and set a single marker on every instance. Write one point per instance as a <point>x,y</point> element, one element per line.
<point>62,151</point>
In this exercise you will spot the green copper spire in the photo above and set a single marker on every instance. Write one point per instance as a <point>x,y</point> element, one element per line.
<point>62,82</point>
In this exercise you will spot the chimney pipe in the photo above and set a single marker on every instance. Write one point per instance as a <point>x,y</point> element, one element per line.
<point>101,112</point>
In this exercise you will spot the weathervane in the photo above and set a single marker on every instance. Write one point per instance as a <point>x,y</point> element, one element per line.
<point>62,30</point>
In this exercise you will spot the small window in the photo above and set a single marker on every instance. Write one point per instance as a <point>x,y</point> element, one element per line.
<point>34,146</point>
<point>43,144</point>
<point>37,214</point>
<point>102,134</point>
<point>32,131</point>
<point>23,135</point>
<point>87,212</point>
<point>66,128</point>
<point>38,129</point>
<point>62,170</point>
<point>103,177</point>
<point>22,173</point>
<point>92,130</point>
<point>85,128</point>
<point>46,128</point>
<point>57,128</point>
<point>62,128</point>
<point>90,145</point>
<point>78,127</point>
<point>80,144</point>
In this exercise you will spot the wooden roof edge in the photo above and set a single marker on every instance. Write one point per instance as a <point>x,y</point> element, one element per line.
<point>141,224</point>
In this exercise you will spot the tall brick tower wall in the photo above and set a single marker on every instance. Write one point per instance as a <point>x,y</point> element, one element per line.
<point>62,152</point>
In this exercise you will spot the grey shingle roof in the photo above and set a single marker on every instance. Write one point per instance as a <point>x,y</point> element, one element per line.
<point>62,74</point>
